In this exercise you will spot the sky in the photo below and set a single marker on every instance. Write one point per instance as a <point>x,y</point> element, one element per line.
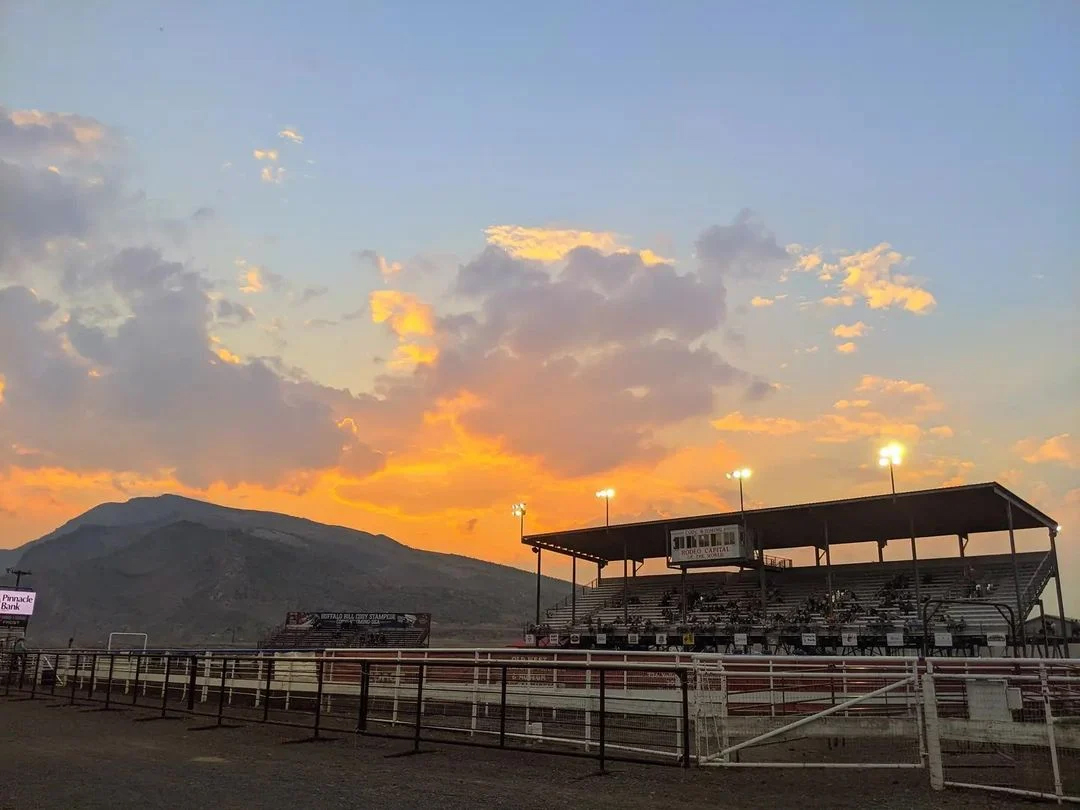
<point>398,266</point>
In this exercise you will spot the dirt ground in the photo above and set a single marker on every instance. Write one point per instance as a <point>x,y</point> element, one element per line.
<point>59,756</point>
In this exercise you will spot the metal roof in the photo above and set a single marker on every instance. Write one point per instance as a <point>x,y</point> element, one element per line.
<point>961,510</point>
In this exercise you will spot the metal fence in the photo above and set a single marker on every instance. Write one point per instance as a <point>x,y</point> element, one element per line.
<point>630,711</point>
<point>1006,725</point>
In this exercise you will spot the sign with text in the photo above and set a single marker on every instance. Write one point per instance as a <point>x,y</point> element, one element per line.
<point>632,638</point>
<point>575,638</point>
<point>740,640</point>
<point>530,639</point>
<point>707,544</point>
<point>553,640</point>
<point>661,639</point>
<point>346,621</point>
<point>849,638</point>
<point>17,603</point>
<point>894,639</point>
<point>942,639</point>
<point>809,639</point>
<point>995,639</point>
<point>9,621</point>
<point>601,638</point>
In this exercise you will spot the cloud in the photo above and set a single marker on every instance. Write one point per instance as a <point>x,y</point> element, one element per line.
<point>743,249</point>
<point>870,275</point>
<point>58,139</point>
<point>406,314</point>
<point>555,244</point>
<point>1060,449</point>
<point>319,323</point>
<point>271,175</point>
<point>851,403</point>
<point>387,269</point>
<point>291,135</point>
<point>847,348</point>
<point>736,422</point>
<point>310,294</point>
<point>758,301</point>
<point>858,329</point>
<point>942,432</point>
<point>838,300</point>
<point>255,279</point>
<point>916,396</point>
<point>265,154</point>
<point>3,387</point>
<point>226,310</point>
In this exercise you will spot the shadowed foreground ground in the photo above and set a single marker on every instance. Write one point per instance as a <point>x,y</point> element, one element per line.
<point>63,757</point>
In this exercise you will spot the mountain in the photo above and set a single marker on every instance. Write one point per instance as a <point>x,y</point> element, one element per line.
<point>187,571</point>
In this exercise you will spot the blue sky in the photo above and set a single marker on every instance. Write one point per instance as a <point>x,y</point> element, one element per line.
<point>945,130</point>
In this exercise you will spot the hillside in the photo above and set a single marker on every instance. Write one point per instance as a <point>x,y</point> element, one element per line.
<point>185,571</point>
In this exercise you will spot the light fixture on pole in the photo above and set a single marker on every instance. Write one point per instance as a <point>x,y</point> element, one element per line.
<point>518,510</point>
<point>606,495</point>
<point>890,456</point>
<point>740,476</point>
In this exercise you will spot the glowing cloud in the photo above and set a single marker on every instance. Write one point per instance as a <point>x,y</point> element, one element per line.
<point>406,314</point>
<point>853,331</point>
<point>291,135</point>
<point>1059,449</point>
<point>271,175</point>
<point>265,154</point>
<point>3,385</point>
<point>254,279</point>
<point>387,269</point>
<point>851,403</point>
<point>838,300</point>
<point>758,301</point>
<point>942,432</point>
<point>870,275</point>
<point>847,348</point>
<point>554,244</point>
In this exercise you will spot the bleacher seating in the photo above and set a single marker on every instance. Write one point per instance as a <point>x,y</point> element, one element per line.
<point>872,597</point>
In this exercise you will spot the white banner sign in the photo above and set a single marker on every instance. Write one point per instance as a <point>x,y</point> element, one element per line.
<point>849,638</point>
<point>530,639</point>
<point>661,639</point>
<point>995,639</point>
<point>706,543</point>
<point>601,638</point>
<point>632,638</point>
<point>894,639</point>
<point>575,638</point>
<point>809,639</point>
<point>553,640</point>
<point>942,639</point>
<point>17,603</point>
<point>740,640</point>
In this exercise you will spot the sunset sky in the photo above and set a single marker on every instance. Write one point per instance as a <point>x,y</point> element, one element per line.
<point>397,266</point>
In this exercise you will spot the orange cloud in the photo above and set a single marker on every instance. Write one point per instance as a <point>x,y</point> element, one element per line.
<point>270,175</point>
<point>838,300</point>
<point>857,329</point>
<point>265,154</point>
<point>553,244</point>
<point>847,348</point>
<point>3,387</point>
<point>409,355</point>
<point>735,422</point>
<point>919,393</point>
<point>870,275</point>
<point>291,135</point>
<point>1059,449</point>
<point>758,301</point>
<point>223,353</point>
<point>851,403</point>
<point>942,432</point>
<point>406,314</point>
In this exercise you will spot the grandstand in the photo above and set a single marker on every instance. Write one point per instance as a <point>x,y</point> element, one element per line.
<point>952,606</point>
<point>337,630</point>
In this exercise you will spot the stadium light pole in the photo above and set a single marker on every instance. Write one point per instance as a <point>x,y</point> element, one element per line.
<point>740,476</point>
<point>606,495</point>
<point>518,510</point>
<point>890,456</point>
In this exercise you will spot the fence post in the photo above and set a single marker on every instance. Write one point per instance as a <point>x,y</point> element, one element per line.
<point>266,693</point>
<point>33,683</point>
<point>1050,736</point>
<point>56,673</point>
<point>419,705</point>
<point>221,691</point>
<point>603,713</point>
<point>685,678</point>
<point>318,696</point>
<point>22,671</point>
<point>502,710</point>
<point>933,735</point>
<point>74,679</point>
<point>90,680</point>
<point>108,686</point>
<point>365,687</point>
<point>165,685</point>
<point>135,684</point>
<point>192,682</point>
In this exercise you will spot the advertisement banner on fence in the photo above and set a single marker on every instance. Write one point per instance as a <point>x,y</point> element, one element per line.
<point>995,639</point>
<point>809,639</point>
<point>942,639</point>
<point>849,638</point>
<point>601,638</point>
<point>345,621</point>
<point>17,603</point>
<point>740,640</point>
<point>894,639</point>
<point>661,639</point>
<point>632,638</point>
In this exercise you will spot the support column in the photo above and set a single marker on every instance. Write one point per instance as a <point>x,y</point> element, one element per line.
<point>573,591</point>
<point>761,582</point>
<point>682,587</point>
<point>1021,633</point>
<point>881,550</point>
<point>537,550</point>
<point>828,563</point>
<point>915,564</point>
<point>599,572</point>
<point>1060,601</point>
<point>961,540</point>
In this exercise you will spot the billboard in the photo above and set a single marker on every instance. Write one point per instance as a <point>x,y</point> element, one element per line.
<point>351,621</point>
<point>708,544</point>
<point>17,603</point>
